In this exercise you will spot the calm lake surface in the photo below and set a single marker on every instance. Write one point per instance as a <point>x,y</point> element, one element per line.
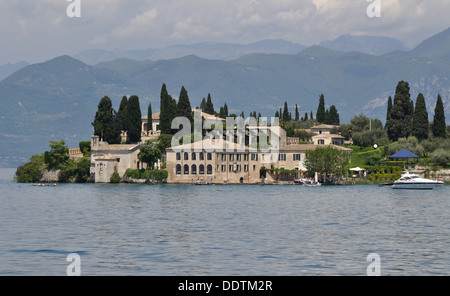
<point>221,230</point>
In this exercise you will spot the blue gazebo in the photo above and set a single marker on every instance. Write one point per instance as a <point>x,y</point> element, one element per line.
<point>404,154</point>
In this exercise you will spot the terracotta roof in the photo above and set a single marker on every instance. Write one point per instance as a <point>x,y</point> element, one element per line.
<point>155,116</point>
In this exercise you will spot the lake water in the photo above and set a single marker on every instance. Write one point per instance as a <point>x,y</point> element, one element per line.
<point>186,230</point>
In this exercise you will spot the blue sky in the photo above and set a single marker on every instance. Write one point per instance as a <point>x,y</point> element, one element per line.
<point>36,31</point>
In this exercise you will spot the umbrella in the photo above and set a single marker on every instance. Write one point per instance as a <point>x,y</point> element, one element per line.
<point>404,153</point>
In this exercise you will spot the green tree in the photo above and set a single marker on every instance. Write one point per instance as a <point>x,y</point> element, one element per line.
<point>134,119</point>
<point>389,109</point>
<point>333,116</point>
<point>115,178</point>
<point>57,156</point>
<point>320,114</point>
<point>122,114</point>
<point>420,119</point>
<point>31,171</point>
<point>285,116</point>
<point>149,118</point>
<point>168,111</point>
<point>400,122</point>
<point>209,107</point>
<point>149,155</point>
<point>184,108</point>
<point>439,126</point>
<point>106,125</point>
<point>297,114</point>
<point>327,160</point>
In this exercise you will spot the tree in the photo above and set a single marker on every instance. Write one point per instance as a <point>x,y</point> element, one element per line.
<point>320,114</point>
<point>297,114</point>
<point>389,109</point>
<point>286,116</point>
<point>420,119</point>
<point>149,117</point>
<point>57,156</point>
<point>134,119</point>
<point>326,160</point>
<point>106,125</point>
<point>209,107</point>
<point>400,122</point>
<point>184,108</point>
<point>122,113</point>
<point>30,171</point>
<point>333,116</point>
<point>439,126</point>
<point>168,111</point>
<point>149,155</point>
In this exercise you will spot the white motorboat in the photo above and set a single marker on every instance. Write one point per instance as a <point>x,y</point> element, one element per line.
<point>411,181</point>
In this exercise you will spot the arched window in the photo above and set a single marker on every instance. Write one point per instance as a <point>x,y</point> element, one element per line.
<point>201,156</point>
<point>201,169</point>
<point>178,156</point>
<point>209,169</point>
<point>186,156</point>
<point>178,169</point>
<point>194,169</point>
<point>186,169</point>
<point>194,157</point>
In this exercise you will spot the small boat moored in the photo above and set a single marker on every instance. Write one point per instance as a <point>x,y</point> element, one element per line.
<point>411,181</point>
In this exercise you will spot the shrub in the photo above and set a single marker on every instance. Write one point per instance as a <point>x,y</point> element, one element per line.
<point>115,178</point>
<point>30,171</point>
<point>440,156</point>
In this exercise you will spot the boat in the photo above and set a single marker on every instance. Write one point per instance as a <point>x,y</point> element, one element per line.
<point>412,181</point>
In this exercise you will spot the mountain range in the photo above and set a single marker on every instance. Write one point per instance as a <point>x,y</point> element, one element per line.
<point>57,99</point>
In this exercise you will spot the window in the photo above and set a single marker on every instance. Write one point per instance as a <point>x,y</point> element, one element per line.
<point>297,156</point>
<point>230,168</point>
<point>224,157</point>
<point>224,168</point>
<point>194,156</point>
<point>245,157</point>
<point>245,167</point>
<point>238,157</point>
<point>179,156</point>
<point>238,168</point>
<point>178,169</point>
<point>282,157</point>
<point>186,169</point>
<point>255,156</point>
<point>201,169</point>
<point>231,157</point>
<point>321,142</point>
<point>194,169</point>
<point>201,156</point>
<point>186,156</point>
<point>209,169</point>
<point>209,156</point>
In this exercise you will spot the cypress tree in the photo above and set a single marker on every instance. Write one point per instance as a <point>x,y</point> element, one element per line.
<point>285,112</point>
<point>389,109</point>
<point>184,108</point>
<point>333,116</point>
<point>297,114</point>
<point>134,120</point>
<point>439,125</point>
<point>149,118</point>
<point>420,119</point>
<point>122,113</point>
<point>203,105</point>
<point>209,107</point>
<point>320,114</point>
<point>401,114</point>
<point>106,125</point>
<point>167,111</point>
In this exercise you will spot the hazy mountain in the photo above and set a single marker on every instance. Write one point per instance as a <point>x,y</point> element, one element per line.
<point>207,50</point>
<point>57,99</point>
<point>366,44</point>
<point>437,46</point>
<point>8,69</point>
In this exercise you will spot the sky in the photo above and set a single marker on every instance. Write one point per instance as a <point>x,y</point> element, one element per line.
<point>35,31</point>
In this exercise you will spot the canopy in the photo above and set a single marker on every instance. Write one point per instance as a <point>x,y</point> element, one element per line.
<point>358,169</point>
<point>404,153</point>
